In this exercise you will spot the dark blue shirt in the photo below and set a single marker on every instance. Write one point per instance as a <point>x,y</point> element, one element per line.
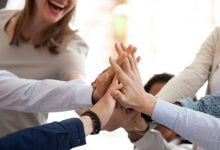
<point>54,136</point>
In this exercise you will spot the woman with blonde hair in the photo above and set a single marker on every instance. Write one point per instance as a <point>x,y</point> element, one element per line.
<point>38,43</point>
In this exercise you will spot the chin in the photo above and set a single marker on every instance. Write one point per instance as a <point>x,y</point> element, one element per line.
<point>51,20</point>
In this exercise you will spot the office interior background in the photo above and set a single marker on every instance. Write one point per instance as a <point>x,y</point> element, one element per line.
<point>167,33</point>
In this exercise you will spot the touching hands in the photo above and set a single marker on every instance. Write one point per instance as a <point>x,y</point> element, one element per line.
<point>106,105</point>
<point>126,92</point>
<point>132,93</point>
<point>102,82</point>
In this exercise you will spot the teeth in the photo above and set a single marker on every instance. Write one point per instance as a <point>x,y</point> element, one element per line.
<point>57,4</point>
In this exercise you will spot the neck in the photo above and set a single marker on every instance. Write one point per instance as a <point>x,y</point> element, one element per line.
<point>34,30</point>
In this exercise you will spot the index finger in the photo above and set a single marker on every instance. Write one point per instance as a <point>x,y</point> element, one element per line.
<point>118,71</point>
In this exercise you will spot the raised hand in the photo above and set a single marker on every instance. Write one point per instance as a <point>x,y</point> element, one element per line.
<point>105,106</point>
<point>104,79</point>
<point>132,94</point>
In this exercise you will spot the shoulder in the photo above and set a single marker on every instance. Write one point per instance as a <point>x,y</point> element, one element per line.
<point>217,29</point>
<point>215,34</point>
<point>74,42</point>
<point>6,14</point>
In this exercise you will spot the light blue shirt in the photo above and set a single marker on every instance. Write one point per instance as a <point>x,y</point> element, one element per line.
<point>43,95</point>
<point>200,128</point>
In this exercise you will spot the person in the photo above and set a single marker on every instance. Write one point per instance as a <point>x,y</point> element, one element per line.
<point>41,95</point>
<point>44,131</point>
<point>192,125</point>
<point>38,95</point>
<point>37,43</point>
<point>204,68</point>
<point>61,135</point>
<point>160,133</point>
<point>28,95</point>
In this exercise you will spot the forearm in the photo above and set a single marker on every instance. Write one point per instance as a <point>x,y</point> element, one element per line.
<point>58,135</point>
<point>43,95</point>
<point>192,125</point>
<point>188,82</point>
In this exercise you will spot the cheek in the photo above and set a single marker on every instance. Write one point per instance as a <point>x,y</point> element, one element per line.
<point>40,6</point>
<point>72,4</point>
<point>40,3</point>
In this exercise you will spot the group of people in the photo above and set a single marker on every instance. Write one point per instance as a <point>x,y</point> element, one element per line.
<point>42,63</point>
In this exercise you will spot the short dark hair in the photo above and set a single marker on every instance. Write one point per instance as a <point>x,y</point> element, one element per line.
<point>157,78</point>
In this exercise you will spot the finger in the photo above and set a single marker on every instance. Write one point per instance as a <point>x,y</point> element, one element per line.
<point>115,85</point>
<point>132,63</point>
<point>131,49</point>
<point>114,82</point>
<point>126,66</point>
<point>119,49</point>
<point>118,71</point>
<point>121,58</point>
<point>123,46</point>
<point>138,59</point>
<point>117,95</point>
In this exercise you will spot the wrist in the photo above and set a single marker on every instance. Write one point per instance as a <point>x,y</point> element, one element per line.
<point>96,124</point>
<point>87,124</point>
<point>149,104</point>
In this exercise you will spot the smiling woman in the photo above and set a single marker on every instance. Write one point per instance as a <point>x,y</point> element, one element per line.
<point>37,42</point>
<point>54,10</point>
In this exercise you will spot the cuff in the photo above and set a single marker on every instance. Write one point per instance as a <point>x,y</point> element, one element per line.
<point>83,93</point>
<point>76,131</point>
<point>165,113</point>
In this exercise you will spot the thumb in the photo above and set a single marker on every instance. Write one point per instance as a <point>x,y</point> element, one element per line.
<point>116,94</point>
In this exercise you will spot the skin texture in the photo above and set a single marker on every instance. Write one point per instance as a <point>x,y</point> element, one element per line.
<point>132,94</point>
<point>103,108</point>
<point>131,119</point>
<point>104,79</point>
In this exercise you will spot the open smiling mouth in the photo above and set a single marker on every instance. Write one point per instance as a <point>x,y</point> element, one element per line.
<point>56,6</point>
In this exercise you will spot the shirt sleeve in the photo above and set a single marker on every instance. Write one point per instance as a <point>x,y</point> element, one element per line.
<point>209,104</point>
<point>192,125</point>
<point>43,95</point>
<point>58,135</point>
<point>188,82</point>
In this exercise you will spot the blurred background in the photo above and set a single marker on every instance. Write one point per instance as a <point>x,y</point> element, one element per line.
<point>167,33</point>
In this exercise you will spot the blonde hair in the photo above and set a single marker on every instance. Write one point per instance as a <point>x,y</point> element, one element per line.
<point>51,38</point>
